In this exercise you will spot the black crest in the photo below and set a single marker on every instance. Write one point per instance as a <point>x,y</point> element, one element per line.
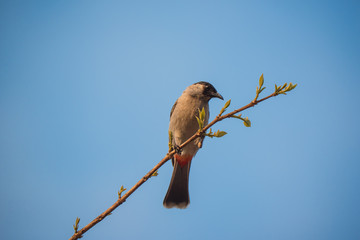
<point>209,89</point>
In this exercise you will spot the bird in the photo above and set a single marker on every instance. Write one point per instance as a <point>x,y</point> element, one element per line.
<point>183,125</point>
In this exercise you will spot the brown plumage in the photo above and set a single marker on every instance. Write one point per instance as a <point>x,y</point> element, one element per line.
<point>183,125</point>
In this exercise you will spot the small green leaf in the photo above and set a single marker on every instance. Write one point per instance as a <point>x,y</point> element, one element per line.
<point>201,118</point>
<point>155,174</point>
<point>202,114</point>
<point>122,189</point>
<point>221,134</point>
<point>247,122</point>
<point>261,80</point>
<point>199,122</point>
<point>218,134</point>
<point>227,104</point>
<point>284,86</point>
<point>288,87</point>
<point>76,226</point>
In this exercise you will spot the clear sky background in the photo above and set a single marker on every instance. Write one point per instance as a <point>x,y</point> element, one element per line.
<point>86,89</point>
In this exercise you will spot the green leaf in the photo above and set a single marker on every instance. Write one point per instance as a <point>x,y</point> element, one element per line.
<point>221,134</point>
<point>76,226</point>
<point>201,118</point>
<point>247,122</point>
<point>288,87</point>
<point>202,114</point>
<point>199,122</point>
<point>284,86</point>
<point>261,80</point>
<point>227,104</point>
<point>122,189</point>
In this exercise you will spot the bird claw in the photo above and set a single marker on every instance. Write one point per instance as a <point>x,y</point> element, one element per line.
<point>177,149</point>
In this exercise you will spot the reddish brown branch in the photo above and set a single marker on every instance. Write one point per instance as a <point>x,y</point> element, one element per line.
<point>164,160</point>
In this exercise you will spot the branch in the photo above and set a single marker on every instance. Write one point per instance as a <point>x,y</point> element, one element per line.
<point>202,131</point>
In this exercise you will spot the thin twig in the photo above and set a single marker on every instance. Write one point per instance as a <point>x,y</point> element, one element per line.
<point>168,156</point>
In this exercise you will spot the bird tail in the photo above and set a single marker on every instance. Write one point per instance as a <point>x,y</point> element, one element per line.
<point>178,192</point>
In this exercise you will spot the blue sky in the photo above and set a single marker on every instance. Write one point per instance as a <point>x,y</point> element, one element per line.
<point>86,88</point>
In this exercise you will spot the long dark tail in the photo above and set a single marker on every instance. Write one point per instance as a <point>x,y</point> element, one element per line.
<point>178,192</point>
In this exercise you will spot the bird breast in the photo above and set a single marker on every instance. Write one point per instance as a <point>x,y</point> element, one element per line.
<point>183,123</point>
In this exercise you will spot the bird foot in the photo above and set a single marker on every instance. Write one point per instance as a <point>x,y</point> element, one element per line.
<point>177,149</point>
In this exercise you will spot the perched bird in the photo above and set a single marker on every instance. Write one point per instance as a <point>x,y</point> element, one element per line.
<point>183,125</point>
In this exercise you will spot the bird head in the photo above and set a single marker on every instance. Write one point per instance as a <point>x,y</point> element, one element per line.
<point>203,90</point>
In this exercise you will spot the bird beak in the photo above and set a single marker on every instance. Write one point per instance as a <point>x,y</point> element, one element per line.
<point>217,95</point>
